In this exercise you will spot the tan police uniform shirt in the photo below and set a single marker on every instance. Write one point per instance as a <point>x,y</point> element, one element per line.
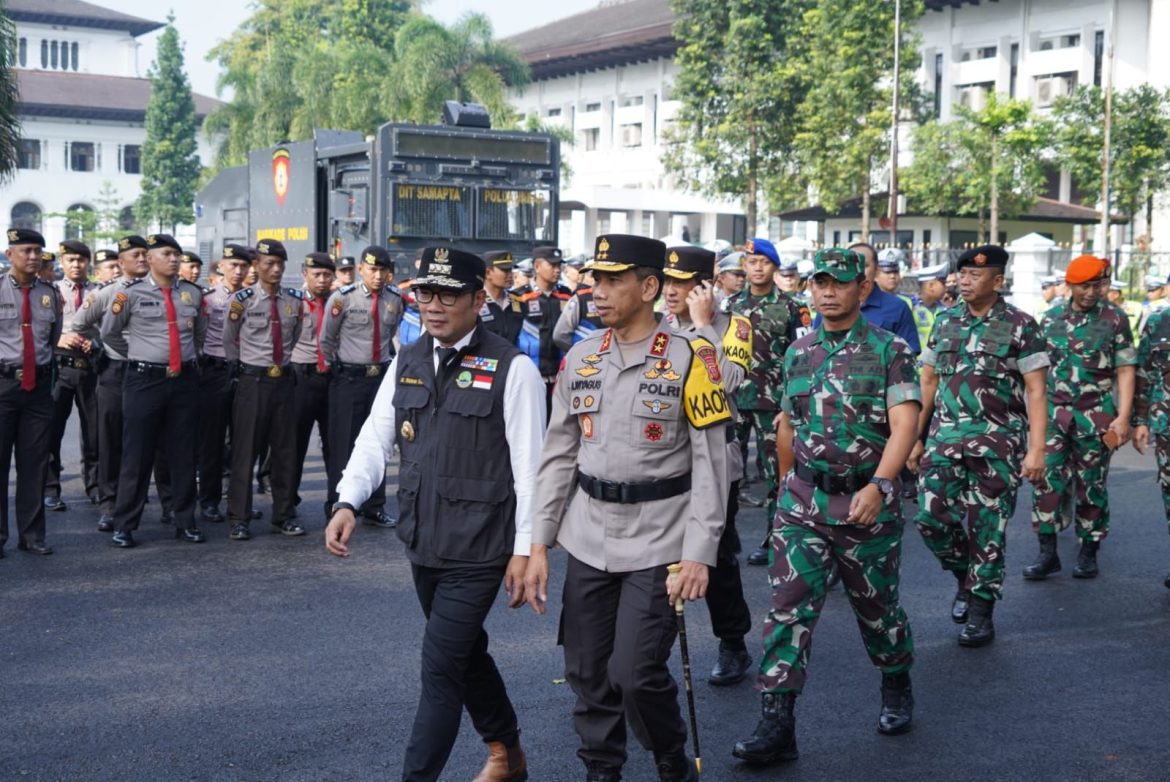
<point>93,310</point>
<point>248,334</point>
<point>660,415</point>
<point>347,334</point>
<point>45,315</point>
<point>139,313</point>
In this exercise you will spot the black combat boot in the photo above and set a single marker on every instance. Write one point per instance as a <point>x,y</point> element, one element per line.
<point>897,704</point>
<point>775,736</point>
<point>732,665</point>
<point>1047,562</point>
<point>596,771</point>
<point>962,600</point>
<point>675,767</point>
<point>1087,559</point>
<point>979,630</point>
<point>1166,583</point>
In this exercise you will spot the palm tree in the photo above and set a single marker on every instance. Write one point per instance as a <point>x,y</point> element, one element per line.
<point>9,98</point>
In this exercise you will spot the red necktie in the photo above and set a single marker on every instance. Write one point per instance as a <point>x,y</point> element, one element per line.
<point>28,375</point>
<point>377,331</point>
<point>175,352</point>
<point>76,296</point>
<point>277,335</point>
<point>320,309</point>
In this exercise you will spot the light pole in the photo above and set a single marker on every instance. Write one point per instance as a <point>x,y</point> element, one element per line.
<point>893,210</point>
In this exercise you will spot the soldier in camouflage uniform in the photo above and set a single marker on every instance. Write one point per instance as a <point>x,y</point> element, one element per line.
<point>1090,348</point>
<point>849,416</point>
<point>1151,403</point>
<point>983,357</point>
<point>777,320</point>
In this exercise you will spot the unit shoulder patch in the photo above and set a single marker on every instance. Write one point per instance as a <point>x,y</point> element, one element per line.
<point>737,341</point>
<point>706,402</point>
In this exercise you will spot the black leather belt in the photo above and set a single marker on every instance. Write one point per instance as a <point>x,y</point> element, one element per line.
<point>631,493</point>
<point>159,370</point>
<point>7,370</point>
<point>271,370</point>
<point>74,362</point>
<point>214,361</point>
<point>308,369</point>
<point>362,370</point>
<point>834,484</point>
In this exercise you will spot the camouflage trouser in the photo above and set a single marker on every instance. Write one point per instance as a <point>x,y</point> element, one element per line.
<point>868,558</point>
<point>763,422</point>
<point>1162,451</point>
<point>964,506</point>
<point>1075,459</point>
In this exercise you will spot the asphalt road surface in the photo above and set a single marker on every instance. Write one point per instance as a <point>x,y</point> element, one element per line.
<point>272,660</point>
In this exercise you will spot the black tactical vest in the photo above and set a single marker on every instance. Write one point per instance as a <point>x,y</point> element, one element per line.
<point>456,501</point>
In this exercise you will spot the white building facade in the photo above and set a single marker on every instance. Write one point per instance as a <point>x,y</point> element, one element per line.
<point>83,101</point>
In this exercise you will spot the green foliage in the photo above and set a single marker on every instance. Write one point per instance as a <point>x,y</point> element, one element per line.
<point>170,164</point>
<point>98,227</point>
<point>987,163</point>
<point>534,124</point>
<point>9,98</point>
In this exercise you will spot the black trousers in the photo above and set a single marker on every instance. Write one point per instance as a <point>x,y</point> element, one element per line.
<point>157,412</point>
<point>457,671</point>
<point>618,630</point>
<point>310,406</point>
<point>25,421</point>
<point>350,401</point>
<point>730,617</point>
<point>261,413</point>
<point>215,410</point>
<point>109,407</point>
<point>74,387</point>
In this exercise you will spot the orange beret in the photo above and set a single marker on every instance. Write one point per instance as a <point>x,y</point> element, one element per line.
<point>1085,268</point>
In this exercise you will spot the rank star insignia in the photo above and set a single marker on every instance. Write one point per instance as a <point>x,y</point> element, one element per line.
<point>656,405</point>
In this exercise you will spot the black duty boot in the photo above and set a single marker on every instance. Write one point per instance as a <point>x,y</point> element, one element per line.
<point>758,557</point>
<point>962,600</point>
<point>979,630</point>
<point>897,704</point>
<point>675,767</point>
<point>1166,583</point>
<point>1047,562</point>
<point>1087,559</point>
<point>601,772</point>
<point>775,736</point>
<point>732,665</point>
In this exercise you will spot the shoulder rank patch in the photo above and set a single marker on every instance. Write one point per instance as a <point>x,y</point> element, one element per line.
<point>344,289</point>
<point>659,345</point>
<point>737,342</point>
<point>706,402</point>
<point>244,295</point>
<point>295,293</point>
<point>606,341</point>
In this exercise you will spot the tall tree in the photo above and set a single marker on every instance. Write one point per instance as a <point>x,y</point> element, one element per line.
<point>170,163</point>
<point>739,92</point>
<point>848,62</point>
<point>987,163</point>
<point>9,98</point>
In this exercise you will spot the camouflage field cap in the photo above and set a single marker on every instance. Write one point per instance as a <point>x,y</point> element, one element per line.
<point>840,264</point>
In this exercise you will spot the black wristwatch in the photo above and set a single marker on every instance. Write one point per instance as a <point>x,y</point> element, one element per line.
<point>343,506</point>
<point>884,484</point>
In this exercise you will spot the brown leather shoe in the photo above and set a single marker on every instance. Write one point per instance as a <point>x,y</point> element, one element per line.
<point>503,764</point>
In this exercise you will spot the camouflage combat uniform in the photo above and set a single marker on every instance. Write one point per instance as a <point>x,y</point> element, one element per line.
<point>837,394</point>
<point>1084,350</point>
<point>1151,400</point>
<point>971,469</point>
<point>777,320</point>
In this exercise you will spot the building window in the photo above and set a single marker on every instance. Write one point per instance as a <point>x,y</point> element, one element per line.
<point>631,100</point>
<point>590,138</point>
<point>1070,41</point>
<point>1015,72</point>
<point>26,214</point>
<point>23,49</point>
<point>592,107</point>
<point>53,54</point>
<point>81,156</point>
<point>132,159</point>
<point>987,52</point>
<point>938,80</point>
<point>64,56</point>
<point>44,54</point>
<point>73,58</point>
<point>1098,56</point>
<point>79,222</point>
<point>632,135</point>
<point>553,113</point>
<point>29,152</point>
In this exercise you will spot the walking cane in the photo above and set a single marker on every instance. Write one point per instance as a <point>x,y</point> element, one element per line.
<point>674,570</point>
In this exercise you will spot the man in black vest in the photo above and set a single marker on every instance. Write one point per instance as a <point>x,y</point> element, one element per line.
<point>449,402</point>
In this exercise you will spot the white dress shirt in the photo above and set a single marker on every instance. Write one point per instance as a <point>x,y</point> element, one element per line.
<point>524,425</point>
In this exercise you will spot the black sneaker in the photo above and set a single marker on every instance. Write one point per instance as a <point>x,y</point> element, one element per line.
<point>240,532</point>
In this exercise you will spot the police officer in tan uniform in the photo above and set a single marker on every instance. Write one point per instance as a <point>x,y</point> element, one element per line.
<point>311,369</point>
<point>639,401</point>
<point>263,324</point>
<point>30,325</point>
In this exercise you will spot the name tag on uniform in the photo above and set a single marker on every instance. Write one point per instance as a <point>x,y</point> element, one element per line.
<point>591,308</point>
<point>534,307</point>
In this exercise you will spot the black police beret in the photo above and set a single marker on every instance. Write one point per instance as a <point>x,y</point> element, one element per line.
<point>688,263</point>
<point>499,259</point>
<point>105,254</point>
<point>155,241</point>
<point>449,269</point>
<point>377,256</point>
<point>619,252</point>
<point>190,257</point>
<point>988,255</point>
<point>548,253</point>
<point>73,246</point>
<point>319,261</point>
<point>47,256</point>
<point>25,236</point>
<point>237,252</point>
<point>272,247</point>
<point>131,242</point>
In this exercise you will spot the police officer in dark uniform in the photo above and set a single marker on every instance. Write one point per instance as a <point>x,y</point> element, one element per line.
<point>579,319</point>
<point>263,323</point>
<point>163,320</point>
<point>358,340</point>
<point>310,368</point>
<point>76,376</point>
<point>540,303</point>
<point>464,409</point>
<point>30,325</point>
<point>496,314</point>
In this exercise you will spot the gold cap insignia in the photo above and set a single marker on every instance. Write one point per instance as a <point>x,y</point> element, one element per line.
<point>229,252</point>
<point>370,259</point>
<point>751,246</point>
<point>441,254</point>
<point>603,248</point>
<point>152,240</point>
<point>123,244</point>
<point>674,259</point>
<point>980,259</point>
<point>62,248</point>
<point>262,248</point>
<point>13,235</point>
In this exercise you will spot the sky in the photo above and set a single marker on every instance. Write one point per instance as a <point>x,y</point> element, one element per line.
<point>204,23</point>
